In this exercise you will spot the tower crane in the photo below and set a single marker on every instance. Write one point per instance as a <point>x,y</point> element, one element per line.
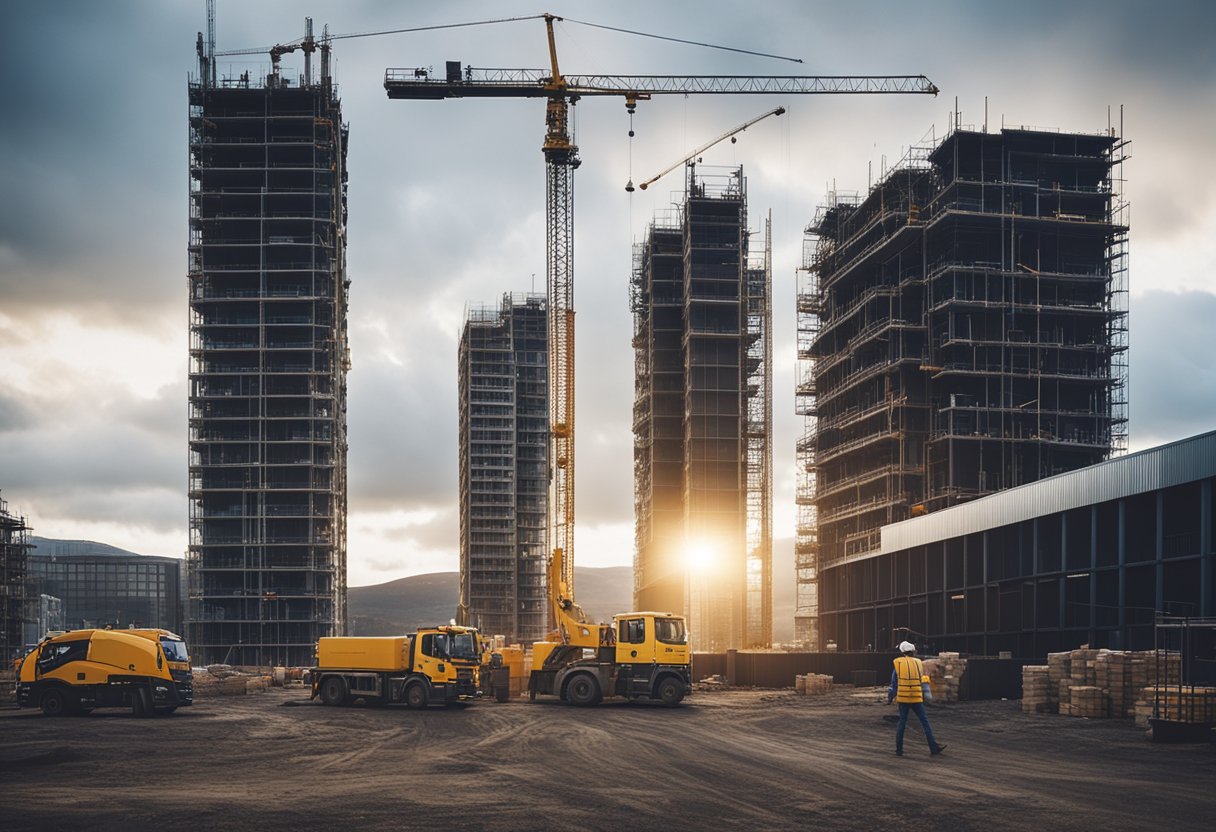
<point>572,628</point>
<point>729,134</point>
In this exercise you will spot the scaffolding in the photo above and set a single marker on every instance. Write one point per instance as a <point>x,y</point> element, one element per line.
<point>503,468</point>
<point>14,582</point>
<point>962,329</point>
<point>266,560</point>
<point>703,415</point>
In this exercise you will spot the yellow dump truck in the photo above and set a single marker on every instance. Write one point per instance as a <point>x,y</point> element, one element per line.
<point>80,670</point>
<point>436,665</point>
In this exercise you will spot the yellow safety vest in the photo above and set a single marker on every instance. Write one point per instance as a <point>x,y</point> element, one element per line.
<point>911,675</point>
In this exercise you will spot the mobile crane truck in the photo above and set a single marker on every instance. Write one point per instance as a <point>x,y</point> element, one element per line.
<point>434,666</point>
<point>147,671</point>
<point>641,655</point>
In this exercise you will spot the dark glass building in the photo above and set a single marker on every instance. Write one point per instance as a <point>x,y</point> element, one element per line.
<point>1086,557</point>
<point>100,586</point>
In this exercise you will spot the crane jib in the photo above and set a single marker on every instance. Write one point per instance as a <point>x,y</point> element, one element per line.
<point>417,83</point>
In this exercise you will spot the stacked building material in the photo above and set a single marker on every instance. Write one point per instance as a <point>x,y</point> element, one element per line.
<point>1088,701</point>
<point>813,684</point>
<point>1035,699</point>
<point>1059,669</point>
<point>1123,675</point>
<point>945,675</point>
<point>222,680</point>
<point>1185,703</point>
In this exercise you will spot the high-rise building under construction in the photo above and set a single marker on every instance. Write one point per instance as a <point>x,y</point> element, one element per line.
<point>15,595</point>
<point>702,417</point>
<point>504,468</point>
<point>268,361</point>
<point>962,329</point>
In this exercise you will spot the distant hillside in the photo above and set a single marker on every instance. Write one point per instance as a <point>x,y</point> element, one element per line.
<point>425,600</point>
<point>402,605</point>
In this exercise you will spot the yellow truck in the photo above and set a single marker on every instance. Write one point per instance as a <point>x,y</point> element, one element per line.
<point>642,655</point>
<point>434,666</point>
<point>147,671</point>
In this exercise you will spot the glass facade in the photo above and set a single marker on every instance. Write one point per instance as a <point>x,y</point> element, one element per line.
<point>117,591</point>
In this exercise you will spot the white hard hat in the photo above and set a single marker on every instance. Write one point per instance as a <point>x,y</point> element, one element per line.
<point>907,647</point>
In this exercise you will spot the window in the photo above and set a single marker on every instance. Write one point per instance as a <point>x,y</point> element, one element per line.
<point>633,631</point>
<point>60,653</point>
<point>670,630</point>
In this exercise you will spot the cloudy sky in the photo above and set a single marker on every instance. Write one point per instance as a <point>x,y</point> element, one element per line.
<point>446,208</point>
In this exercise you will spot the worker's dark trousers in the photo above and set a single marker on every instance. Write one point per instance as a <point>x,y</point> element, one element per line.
<point>918,709</point>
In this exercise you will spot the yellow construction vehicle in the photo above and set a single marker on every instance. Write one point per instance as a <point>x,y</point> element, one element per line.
<point>436,665</point>
<point>641,655</point>
<point>80,670</point>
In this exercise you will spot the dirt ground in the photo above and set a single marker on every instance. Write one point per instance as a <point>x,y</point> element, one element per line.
<point>726,760</point>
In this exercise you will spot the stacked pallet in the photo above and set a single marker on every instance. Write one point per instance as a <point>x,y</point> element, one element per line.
<point>1088,701</point>
<point>1123,675</point>
<point>945,675</point>
<point>813,684</point>
<point>1059,673</point>
<point>1180,703</point>
<point>1035,698</point>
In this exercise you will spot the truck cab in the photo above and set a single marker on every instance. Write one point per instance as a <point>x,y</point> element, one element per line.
<point>80,670</point>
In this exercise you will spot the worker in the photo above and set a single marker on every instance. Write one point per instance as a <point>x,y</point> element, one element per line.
<point>909,686</point>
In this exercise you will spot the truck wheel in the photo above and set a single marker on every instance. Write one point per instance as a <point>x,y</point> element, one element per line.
<point>54,703</point>
<point>670,692</point>
<point>333,690</point>
<point>415,696</point>
<point>583,690</point>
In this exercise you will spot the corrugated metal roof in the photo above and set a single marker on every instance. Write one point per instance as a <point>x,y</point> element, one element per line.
<point>1179,462</point>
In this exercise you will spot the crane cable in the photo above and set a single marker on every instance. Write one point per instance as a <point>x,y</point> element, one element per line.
<point>682,40</point>
<point>299,41</point>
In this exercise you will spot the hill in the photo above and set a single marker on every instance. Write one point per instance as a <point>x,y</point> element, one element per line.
<point>402,605</point>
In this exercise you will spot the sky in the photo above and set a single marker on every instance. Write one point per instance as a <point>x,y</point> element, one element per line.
<point>447,210</point>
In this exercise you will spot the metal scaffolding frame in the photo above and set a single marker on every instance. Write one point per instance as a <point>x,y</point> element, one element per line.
<point>266,560</point>
<point>503,468</point>
<point>962,329</point>
<point>703,414</point>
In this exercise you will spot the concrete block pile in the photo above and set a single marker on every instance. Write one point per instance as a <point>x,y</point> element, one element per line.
<point>945,674</point>
<point>813,684</point>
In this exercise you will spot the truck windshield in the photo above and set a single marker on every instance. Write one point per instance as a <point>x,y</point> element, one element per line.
<point>175,650</point>
<point>463,646</point>
<point>670,630</point>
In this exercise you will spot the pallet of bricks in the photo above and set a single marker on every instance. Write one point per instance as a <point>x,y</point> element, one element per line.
<point>1092,683</point>
<point>1035,698</point>
<point>945,675</point>
<point>812,684</point>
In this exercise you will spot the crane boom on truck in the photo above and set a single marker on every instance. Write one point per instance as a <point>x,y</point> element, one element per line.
<point>573,633</point>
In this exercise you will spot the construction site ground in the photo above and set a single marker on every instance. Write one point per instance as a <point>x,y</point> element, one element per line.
<point>737,759</point>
